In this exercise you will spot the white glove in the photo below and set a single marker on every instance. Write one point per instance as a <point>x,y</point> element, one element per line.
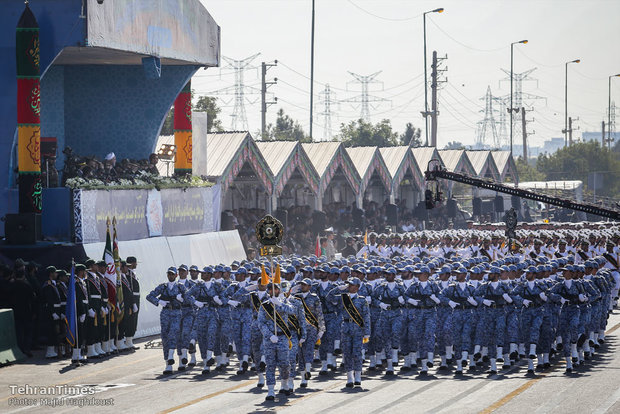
<point>106,310</point>
<point>103,310</point>
<point>233,303</point>
<point>366,336</point>
<point>342,287</point>
<point>368,300</point>
<point>134,308</point>
<point>453,304</point>
<point>251,288</point>
<point>413,302</point>
<point>301,341</point>
<point>163,303</point>
<point>487,302</point>
<point>401,300</point>
<point>582,297</point>
<point>217,300</point>
<point>62,316</point>
<point>91,313</point>
<point>383,306</point>
<point>320,334</point>
<point>273,339</point>
<point>275,301</point>
<point>472,301</point>
<point>543,296</point>
<point>180,297</point>
<point>55,316</point>
<point>199,304</point>
<point>507,298</point>
<point>435,299</point>
<point>82,317</point>
<point>526,302</point>
<point>563,301</point>
<point>295,289</point>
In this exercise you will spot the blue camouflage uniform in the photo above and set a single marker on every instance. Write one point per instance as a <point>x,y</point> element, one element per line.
<point>241,317</point>
<point>530,295</point>
<point>426,315</point>
<point>188,314</point>
<point>170,316</point>
<point>276,355</point>
<point>206,316</point>
<point>332,318</point>
<point>462,324</point>
<point>494,316</point>
<point>567,293</point>
<point>444,322</point>
<point>352,333</point>
<point>298,326</point>
<point>313,303</point>
<point>390,321</point>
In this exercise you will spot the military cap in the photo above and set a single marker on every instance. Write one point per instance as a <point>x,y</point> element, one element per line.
<point>306,281</point>
<point>79,267</point>
<point>101,263</point>
<point>183,267</point>
<point>354,281</point>
<point>131,259</point>
<point>61,273</point>
<point>493,270</point>
<point>241,271</point>
<point>425,269</point>
<point>50,269</point>
<point>172,269</point>
<point>192,267</point>
<point>460,270</point>
<point>89,262</point>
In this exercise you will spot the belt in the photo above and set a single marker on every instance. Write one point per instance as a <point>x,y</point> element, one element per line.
<point>464,307</point>
<point>95,296</point>
<point>169,306</point>
<point>425,307</point>
<point>187,306</point>
<point>85,301</point>
<point>496,306</point>
<point>136,293</point>
<point>57,305</point>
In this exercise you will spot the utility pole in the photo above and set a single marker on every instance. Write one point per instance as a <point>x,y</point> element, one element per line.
<point>570,131</point>
<point>312,74</point>
<point>603,133</point>
<point>434,85</point>
<point>524,128</point>
<point>263,93</point>
<point>489,121</point>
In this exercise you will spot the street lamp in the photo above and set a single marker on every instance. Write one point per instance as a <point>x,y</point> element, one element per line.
<point>566,100</point>
<point>609,111</point>
<point>511,109</point>
<point>439,10</point>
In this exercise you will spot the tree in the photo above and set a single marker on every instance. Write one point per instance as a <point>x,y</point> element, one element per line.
<point>285,129</point>
<point>411,137</point>
<point>204,104</point>
<point>526,172</point>
<point>578,161</point>
<point>208,104</point>
<point>454,145</point>
<point>364,134</point>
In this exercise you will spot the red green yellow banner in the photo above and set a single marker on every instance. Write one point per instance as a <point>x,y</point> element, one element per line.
<point>183,130</point>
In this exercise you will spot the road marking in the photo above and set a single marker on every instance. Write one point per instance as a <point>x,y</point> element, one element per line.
<point>98,372</point>
<point>208,396</point>
<point>507,398</point>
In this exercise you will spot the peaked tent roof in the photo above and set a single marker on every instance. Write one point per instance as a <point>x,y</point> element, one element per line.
<point>226,154</point>
<point>423,155</point>
<point>506,165</point>
<point>326,157</point>
<point>399,160</point>
<point>283,157</point>
<point>483,163</point>
<point>366,161</point>
<point>457,161</point>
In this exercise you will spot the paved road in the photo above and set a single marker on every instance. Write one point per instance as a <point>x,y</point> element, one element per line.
<point>132,383</point>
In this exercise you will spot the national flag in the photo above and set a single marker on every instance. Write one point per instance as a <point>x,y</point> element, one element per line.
<point>317,247</point>
<point>71,311</point>
<point>108,256</point>
<point>117,264</point>
<point>276,278</point>
<point>366,244</point>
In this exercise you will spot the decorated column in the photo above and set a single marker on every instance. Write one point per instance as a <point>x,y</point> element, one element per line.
<point>183,131</point>
<point>28,113</point>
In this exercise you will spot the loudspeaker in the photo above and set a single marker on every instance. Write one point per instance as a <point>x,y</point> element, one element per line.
<point>319,221</point>
<point>477,206</point>
<point>451,205</point>
<point>499,204</point>
<point>421,212</point>
<point>227,222</point>
<point>22,228</point>
<point>429,199</point>
<point>487,207</point>
<point>391,211</point>
<point>282,215</point>
<point>515,201</point>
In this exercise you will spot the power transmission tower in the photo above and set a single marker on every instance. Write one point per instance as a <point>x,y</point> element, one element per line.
<point>524,132</point>
<point>365,98</point>
<point>263,93</point>
<point>327,97</point>
<point>488,122</point>
<point>520,99</point>
<point>239,90</point>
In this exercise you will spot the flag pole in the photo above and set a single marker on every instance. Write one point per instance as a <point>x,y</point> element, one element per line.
<point>77,335</point>
<point>273,294</point>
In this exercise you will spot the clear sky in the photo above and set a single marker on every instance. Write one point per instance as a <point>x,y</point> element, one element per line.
<point>366,36</point>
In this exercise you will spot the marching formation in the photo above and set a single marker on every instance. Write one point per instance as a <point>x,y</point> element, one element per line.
<point>467,300</point>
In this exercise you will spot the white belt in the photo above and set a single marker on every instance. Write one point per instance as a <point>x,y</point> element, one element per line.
<point>57,305</point>
<point>95,296</point>
<point>136,294</point>
<point>63,303</point>
<point>85,301</point>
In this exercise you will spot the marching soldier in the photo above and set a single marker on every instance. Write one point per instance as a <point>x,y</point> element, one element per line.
<point>187,319</point>
<point>315,328</point>
<point>169,296</point>
<point>272,318</point>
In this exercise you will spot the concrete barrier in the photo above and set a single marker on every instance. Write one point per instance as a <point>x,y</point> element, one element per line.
<point>9,351</point>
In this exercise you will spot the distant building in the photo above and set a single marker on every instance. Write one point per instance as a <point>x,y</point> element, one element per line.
<point>596,136</point>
